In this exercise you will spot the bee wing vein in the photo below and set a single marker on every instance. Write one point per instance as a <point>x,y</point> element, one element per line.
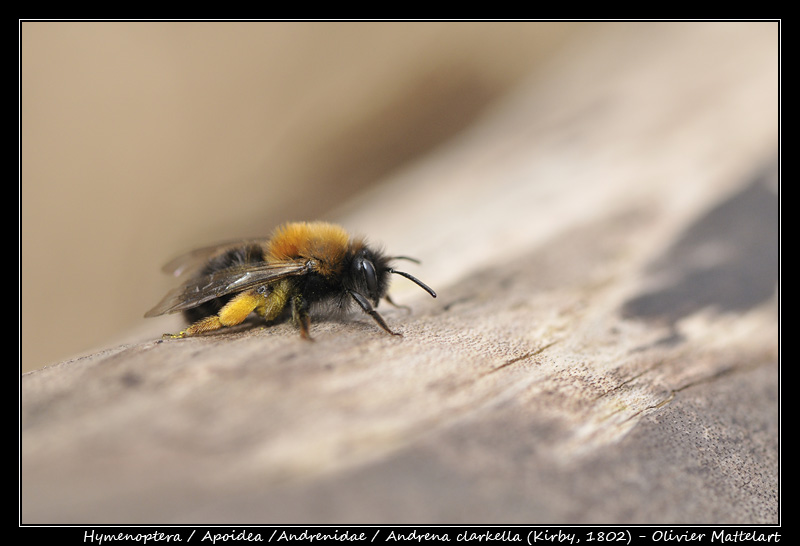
<point>203,288</point>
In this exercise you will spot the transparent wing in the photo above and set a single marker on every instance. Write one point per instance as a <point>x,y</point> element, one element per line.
<point>195,259</point>
<point>203,288</point>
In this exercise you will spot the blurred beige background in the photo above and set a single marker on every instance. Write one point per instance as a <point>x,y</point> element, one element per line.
<point>141,140</point>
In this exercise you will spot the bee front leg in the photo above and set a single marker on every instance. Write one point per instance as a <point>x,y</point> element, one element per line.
<point>368,309</point>
<point>391,302</point>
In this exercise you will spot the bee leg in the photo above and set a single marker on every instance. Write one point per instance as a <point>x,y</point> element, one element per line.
<point>301,317</point>
<point>234,312</point>
<point>392,303</point>
<point>368,309</point>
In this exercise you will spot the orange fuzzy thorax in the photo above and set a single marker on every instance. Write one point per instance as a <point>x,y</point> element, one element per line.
<point>327,243</point>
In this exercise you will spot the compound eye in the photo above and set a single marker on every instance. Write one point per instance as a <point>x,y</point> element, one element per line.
<point>369,275</point>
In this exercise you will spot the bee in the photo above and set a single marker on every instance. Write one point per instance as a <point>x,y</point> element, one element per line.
<point>301,267</point>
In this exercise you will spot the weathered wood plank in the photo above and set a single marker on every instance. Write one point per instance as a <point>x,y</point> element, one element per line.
<point>604,347</point>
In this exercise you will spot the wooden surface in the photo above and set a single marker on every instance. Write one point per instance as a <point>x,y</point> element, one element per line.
<point>604,348</point>
<point>182,133</point>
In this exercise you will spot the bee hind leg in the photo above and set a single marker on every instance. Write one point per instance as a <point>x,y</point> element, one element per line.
<point>232,313</point>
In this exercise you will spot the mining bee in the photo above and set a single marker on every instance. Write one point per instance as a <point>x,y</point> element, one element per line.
<point>302,266</point>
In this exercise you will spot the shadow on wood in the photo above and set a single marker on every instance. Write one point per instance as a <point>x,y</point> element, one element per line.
<point>604,348</point>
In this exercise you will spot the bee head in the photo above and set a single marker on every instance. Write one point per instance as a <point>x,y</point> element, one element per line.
<point>370,275</point>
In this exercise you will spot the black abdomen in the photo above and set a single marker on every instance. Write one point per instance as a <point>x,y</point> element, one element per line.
<point>247,254</point>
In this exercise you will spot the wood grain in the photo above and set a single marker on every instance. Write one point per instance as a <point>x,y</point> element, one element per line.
<point>604,347</point>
